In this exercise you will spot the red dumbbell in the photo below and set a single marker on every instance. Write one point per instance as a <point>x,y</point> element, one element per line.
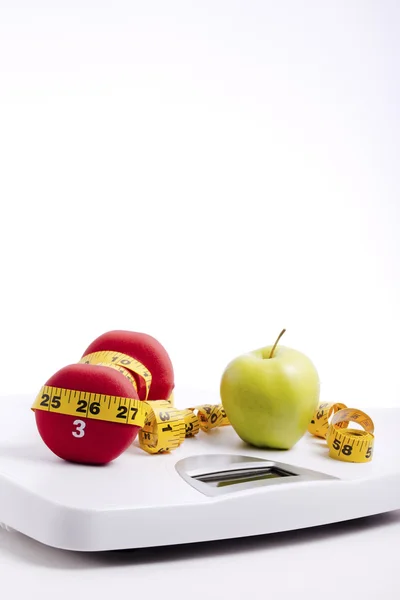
<point>81,437</point>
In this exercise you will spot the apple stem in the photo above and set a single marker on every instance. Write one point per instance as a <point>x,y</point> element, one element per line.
<point>276,343</point>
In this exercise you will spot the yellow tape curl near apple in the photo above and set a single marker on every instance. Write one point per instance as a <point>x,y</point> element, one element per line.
<point>344,443</point>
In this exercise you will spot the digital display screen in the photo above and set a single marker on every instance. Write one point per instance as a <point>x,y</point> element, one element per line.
<point>225,478</point>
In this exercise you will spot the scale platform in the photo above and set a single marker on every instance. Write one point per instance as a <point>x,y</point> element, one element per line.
<point>213,487</point>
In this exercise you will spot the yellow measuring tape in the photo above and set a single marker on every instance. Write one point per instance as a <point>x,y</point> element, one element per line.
<point>100,407</point>
<point>163,427</point>
<point>344,443</point>
<point>121,362</point>
<point>319,424</point>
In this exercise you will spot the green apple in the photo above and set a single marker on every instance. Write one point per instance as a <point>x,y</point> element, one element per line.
<point>270,395</point>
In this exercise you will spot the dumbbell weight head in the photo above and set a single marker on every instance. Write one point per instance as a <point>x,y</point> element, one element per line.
<point>81,439</point>
<point>147,350</point>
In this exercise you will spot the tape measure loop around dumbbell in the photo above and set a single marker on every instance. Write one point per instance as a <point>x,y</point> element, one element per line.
<point>114,409</point>
<point>123,363</point>
<point>163,427</point>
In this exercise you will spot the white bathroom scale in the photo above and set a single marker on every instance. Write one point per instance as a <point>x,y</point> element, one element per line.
<point>212,487</point>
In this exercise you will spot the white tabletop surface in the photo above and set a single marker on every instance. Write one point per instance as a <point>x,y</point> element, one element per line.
<point>359,556</point>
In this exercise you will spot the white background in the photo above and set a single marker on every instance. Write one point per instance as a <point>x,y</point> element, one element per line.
<point>207,172</point>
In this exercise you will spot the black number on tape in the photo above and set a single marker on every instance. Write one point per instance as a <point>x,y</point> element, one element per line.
<point>82,406</point>
<point>122,411</point>
<point>146,435</point>
<point>164,416</point>
<point>56,402</point>
<point>320,414</point>
<point>45,400</point>
<point>94,408</point>
<point>167,428</point>
<point>346,450</point>
<point>336,444</point>
<point>369,452</point>
<point>134,412</point>
<point>223,413</point>
<point>189,427</point>
<point>214,417</point>
<point>125,361</point>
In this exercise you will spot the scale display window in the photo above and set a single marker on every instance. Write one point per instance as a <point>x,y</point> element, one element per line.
<point>216,475</point>
<point>226,478</point>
